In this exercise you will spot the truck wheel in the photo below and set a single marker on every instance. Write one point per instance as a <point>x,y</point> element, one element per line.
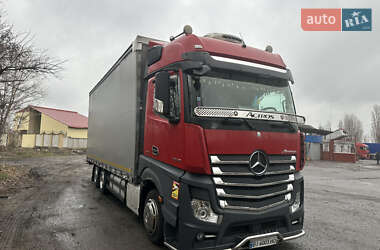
<point>102,181</point>
<point>152,217</point>
<point>93,176</point>
<point>96,176</point>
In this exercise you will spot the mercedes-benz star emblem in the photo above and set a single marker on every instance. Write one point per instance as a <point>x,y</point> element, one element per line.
<point>258,163</point>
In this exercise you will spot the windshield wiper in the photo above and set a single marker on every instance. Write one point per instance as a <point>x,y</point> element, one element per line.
<point>249,125</point>
<point>281,124</point>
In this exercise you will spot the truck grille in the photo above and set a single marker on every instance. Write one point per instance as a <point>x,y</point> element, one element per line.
<point>238,188</point>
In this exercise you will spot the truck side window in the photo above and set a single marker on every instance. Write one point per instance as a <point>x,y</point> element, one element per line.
<point>174,100</point>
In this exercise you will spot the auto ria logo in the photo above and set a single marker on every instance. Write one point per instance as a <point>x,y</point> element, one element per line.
<point>336,19</point>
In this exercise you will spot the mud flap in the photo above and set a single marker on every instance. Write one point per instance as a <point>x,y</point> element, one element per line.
<point>133,197</point>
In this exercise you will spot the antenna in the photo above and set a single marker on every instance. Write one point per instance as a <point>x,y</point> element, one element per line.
<point>243,44</point>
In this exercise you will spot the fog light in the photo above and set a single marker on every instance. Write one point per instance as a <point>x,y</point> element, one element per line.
<point>297,202</point>
<point>203,211</point>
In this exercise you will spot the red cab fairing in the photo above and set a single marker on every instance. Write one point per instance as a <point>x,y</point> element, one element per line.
<point>230,142</point>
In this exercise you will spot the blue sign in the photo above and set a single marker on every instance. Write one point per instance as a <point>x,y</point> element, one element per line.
<point>313,138</point>
<point>356,19</point>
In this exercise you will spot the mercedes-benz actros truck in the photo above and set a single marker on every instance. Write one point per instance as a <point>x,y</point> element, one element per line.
<point>199,137</point>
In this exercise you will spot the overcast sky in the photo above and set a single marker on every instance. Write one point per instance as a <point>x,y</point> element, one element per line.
<point>335,72</point>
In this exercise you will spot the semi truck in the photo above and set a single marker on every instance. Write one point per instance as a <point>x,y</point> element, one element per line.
<point>372,148</point>
<point>362,151</point>
<point>199,137</point>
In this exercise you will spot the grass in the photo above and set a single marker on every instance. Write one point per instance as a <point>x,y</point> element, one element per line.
<point>20,153</point>
<point>11,175</point>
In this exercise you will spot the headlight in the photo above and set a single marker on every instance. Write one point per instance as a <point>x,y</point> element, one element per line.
<point>297,202</point>
<point>203,211</point>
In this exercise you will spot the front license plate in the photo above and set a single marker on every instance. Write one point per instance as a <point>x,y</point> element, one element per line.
<point>263,242</point>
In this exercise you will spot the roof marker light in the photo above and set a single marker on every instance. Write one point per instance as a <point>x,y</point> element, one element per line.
<point>269,49</point>
<point>187,30</point>
<point>198,46</point>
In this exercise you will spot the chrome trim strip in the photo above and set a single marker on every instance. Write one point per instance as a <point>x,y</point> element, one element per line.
<point>209,236</point>
<point>295,222</point>
<point>224,204</point>
<point>293,159</point>
<point>251,64</point>
<point>219,181</point>
<point>288,197</point>
<point>290,171</point>
<point>280,237</point>
<point>294,236</point>
<point>218,171</point>
<point>258,236</point>
<point>221,193</point>
<point>170,246</point>
<point>247,114</point>
<point>215,160</point>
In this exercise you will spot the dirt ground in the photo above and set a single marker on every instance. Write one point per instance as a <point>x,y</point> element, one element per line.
<point>57,207</point>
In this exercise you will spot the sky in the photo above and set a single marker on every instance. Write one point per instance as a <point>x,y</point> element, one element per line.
<point>335,72</point>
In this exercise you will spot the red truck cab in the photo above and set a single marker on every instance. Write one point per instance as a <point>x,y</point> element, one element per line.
<point>362,151</point>
<point>232,134</point>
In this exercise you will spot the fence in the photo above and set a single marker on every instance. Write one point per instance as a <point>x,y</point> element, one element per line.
<point>45,140</point>
<point>10,140</point>
<point>3,140</point>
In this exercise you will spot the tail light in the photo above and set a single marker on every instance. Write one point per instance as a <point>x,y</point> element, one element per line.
<point>302,150</point>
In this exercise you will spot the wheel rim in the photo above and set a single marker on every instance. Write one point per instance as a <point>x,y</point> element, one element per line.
<point>150,216</point>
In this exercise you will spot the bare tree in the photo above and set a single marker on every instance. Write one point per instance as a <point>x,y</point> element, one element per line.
<point>340,124</point>
<point>22,69</point>
<point>353,126</point>
<point>328,125</point>
<point>375,125</point>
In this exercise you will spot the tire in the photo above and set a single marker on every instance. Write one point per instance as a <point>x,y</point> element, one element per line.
<point>96,176</point>
<point>152,218</point>
<point>93,174</point>
<point>103,180</point>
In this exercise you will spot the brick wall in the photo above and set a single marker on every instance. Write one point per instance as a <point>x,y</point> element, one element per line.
<point>343,157</point>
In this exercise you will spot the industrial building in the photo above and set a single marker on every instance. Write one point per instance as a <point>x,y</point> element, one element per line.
<point>326,145</point>
<point>313,141</point>
<point>42,126</point>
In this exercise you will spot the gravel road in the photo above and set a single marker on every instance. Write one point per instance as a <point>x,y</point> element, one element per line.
<point>59,208</point>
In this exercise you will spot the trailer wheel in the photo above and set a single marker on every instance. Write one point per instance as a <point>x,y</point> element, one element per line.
<point>102,181</point>
<point>152,217</point>
<point>93,174</point>
<point>96,176</point>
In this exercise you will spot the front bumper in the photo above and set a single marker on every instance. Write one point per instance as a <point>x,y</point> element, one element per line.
<point>276,234</point>
<point>236,226</point>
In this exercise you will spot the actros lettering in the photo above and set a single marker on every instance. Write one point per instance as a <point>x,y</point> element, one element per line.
<point>260,116</point>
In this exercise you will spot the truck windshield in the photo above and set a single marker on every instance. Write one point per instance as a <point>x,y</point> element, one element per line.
<point>253,94</point>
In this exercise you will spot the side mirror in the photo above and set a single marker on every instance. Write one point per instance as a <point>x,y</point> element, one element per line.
<point>162,93</point>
